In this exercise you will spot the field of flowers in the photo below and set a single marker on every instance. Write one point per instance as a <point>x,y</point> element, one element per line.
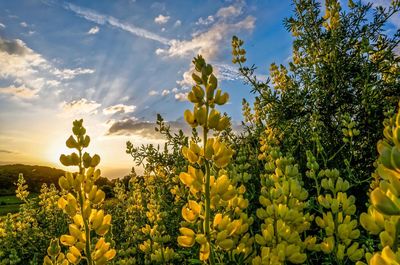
<point>313,177</point>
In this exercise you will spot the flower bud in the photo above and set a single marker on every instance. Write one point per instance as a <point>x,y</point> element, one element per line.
<point>213,119</point>
<point>67,240</point>
<point>95,160</point>
<point>71,143</point>
<point>100,196</point>
<point>383,203</point>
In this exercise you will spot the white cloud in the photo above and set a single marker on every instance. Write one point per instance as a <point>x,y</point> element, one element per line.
<point>177,23</point>
<point>20,92</point>
<point>81,106</point>
<point>17,60</point>
<point>174,90</point>
<point>208,42</point>
<point>181,96</point>
<point>205,21</point>
<point>119,109</point>
<point>160,19</point>
<point>20,65</point>
<point>2,26</point>
<point>124,99</point>
<point>71,73</point>
<point>165,92</point>
<point>53,82</point>
<point>187,80</point>
<point>93,30</point>
<point>230,11</point>
<point>226,72</point>
<point>23,24</point>
<point>100,19</point>
<point>160,51</point>
<point>153,93</point>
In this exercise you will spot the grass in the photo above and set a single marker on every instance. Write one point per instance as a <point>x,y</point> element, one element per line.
<point>11,208</point>
<point>10,204</point>
<point>9,199</point>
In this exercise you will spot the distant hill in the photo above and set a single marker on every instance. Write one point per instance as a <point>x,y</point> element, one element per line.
<point>35,176</point>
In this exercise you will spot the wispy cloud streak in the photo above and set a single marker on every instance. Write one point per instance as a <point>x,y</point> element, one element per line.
<point>101,19</point>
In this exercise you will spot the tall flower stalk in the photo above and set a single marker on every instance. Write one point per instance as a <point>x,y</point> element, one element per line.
<point>82,203</point>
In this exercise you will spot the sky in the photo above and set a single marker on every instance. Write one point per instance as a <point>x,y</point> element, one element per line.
<point>116,64</point>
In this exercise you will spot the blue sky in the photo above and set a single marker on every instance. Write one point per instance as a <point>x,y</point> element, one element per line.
<point>116,64</point>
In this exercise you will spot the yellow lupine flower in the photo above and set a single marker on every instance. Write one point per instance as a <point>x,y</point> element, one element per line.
<point>191,211</point>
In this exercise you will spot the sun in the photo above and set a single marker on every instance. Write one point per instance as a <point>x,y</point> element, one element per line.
<point>54,150</point>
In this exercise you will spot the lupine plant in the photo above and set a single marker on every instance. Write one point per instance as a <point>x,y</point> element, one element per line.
<point>383,217</point>
<point>213,215</point>
<point>82,201</point>
<point>283,212</point>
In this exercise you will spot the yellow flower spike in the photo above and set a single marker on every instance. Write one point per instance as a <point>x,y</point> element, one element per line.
<point>383,204</point>
<point>67,240</point>
<point>204,251</point>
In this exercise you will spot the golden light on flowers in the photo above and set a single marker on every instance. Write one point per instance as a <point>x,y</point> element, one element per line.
<point>80,203</point>
<point>283,190</point>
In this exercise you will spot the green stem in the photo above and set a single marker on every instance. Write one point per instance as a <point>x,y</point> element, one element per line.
<point>396,237</point>
<point>81,196</point>
<point>207,190</point>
